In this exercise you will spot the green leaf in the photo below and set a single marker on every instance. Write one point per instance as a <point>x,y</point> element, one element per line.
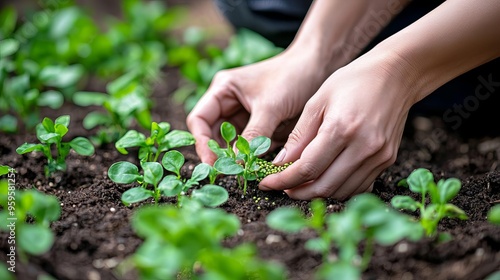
<point>44,208</point>
<point>201,172</point>
<point>4,169</point>
<point>259,145</point>
<point>494,215</point>
<point>317,245</point>
<point>8,47</point>
<point>35,239</point>
<point>170,186</point>
<point>94,119</point>
<point>85,98</point>
<point>123,172</point>
<point>27,147</point>
<point>135,195</point>
<point>173,161</point>
<point>48,124</point>
<point>176,139</point>
<point>228,166</point>
<point>51,98</point>
<point>448,189</point>
<point>8,123</point>
<point>228,131</point>
<point>61,130</point>
<point>287,219</point>
<point>404,202</point>
<point>211,195</point>
<point>339,270</point>
<point>419,179</point>
<point>63,22</point>
<point>242,145</point>
<point>214,147</point>
<point>61,76</point>
<point>453,211</point>
<point>82,146</point>
<point>153,172</point>
<point>8,19</point>
<point>132,138</point>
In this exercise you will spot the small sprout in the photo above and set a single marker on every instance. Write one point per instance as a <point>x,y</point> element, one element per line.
<point>422,181</point>
<point>246,165</point>
<point>161,139</point>
<point>50,133</point>
<point>33,238</point>
<point>365,219</point>
<point>494,215</point>
<point>170,185</point>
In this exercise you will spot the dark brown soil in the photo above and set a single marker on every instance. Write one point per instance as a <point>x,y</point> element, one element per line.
<point>93,234</point>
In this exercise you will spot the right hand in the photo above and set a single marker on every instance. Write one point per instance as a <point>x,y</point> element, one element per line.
<point>264,98</point>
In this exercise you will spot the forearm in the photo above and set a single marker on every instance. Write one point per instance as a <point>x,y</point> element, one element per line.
<point>338,30</point>
<point>454,38</point>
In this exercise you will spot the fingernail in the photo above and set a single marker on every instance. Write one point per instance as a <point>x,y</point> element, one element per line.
<point>264,188</point>
<point>281,155</point>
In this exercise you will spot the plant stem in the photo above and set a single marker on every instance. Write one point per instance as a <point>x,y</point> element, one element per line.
<point>367,254</point>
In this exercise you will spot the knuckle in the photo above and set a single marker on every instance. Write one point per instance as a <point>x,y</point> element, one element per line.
<point>374,145</point>
<point>308,171</point>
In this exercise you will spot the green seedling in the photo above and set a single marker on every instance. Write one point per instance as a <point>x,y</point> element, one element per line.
<point>171,185</point>
<point>160,140</point>
<point>50,134</point>
<point>494,215</point>
<point>126,101</point>
<point>421,181</point>
<point>246,164</point>
<point>366,220</point>
<point>186,243</point>
<point>27,215</point>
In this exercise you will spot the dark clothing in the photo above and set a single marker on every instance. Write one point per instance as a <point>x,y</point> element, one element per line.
<point>462,103</point>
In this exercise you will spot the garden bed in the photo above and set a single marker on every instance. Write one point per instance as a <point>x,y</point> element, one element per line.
<point>94,235</point>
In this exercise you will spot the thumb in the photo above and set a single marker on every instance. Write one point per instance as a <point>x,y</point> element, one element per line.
<point>261,123</point>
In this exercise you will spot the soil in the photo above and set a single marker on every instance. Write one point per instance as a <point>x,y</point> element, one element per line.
<point>94,235</point>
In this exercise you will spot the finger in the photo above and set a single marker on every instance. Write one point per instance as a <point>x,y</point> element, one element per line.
<point>302,134</point>
<point>314,161</point>
<point>342,182</point>
<point>218,102</point>
<point>262,122</point>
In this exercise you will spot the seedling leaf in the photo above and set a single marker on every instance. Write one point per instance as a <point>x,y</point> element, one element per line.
<point>123,172</point>
<point>211,195</point>
<point>82,146</point>
<point>135,195</point>
<point>228,131</point>
<point>228,166</point>
<point>259,145</point>
<point>287,219</point>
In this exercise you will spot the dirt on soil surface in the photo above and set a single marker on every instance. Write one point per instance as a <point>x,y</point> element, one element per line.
<point>94,234</point>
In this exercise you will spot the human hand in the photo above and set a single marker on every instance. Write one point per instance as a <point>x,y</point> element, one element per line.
<point>348,134</point>
<point>264,98</point>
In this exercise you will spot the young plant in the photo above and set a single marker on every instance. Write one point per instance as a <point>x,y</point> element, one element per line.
<point>494,215</point>
<point>50,134</point>
<point>246,164</point>
<point>160,140</point>
<point>421,181</point>
<point>171,185</point>
<point>20,206</point>
<point>186,243</point>
<point>126,101</point>
<point>365,220</point>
